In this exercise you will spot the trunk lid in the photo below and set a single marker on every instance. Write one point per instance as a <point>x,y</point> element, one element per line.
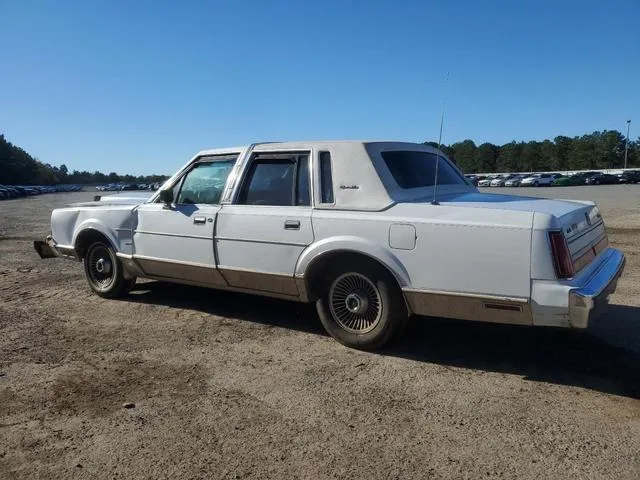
<point>581,222</point>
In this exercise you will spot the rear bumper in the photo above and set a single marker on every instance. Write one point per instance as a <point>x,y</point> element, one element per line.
<point>589,300</point>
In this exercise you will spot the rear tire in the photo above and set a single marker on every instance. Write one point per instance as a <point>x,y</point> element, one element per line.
<point>361,305</point>
<point>104,271</point>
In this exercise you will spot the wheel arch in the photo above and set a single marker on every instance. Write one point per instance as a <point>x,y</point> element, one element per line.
<point>317,257</point>
<point>87,234</point>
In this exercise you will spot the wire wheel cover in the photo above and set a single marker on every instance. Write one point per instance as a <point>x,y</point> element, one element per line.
<point>101,268</point>
<point>355,303</point>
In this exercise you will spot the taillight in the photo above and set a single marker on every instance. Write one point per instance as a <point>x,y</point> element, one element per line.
<point>561,255</point>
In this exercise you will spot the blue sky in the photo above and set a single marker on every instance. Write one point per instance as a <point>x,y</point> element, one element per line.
<point>140,86</point>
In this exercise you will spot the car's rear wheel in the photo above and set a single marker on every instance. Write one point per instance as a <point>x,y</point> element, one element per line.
<point>361,305</point>
<point>104,271</point>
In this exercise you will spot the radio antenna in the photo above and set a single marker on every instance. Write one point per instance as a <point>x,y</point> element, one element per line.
<point>435,182</point>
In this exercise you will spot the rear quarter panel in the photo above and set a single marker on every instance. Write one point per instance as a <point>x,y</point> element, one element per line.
<point>466,250</point>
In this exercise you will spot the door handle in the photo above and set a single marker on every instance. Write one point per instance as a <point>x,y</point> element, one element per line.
<point>292,224</point>
<point>199,220</point>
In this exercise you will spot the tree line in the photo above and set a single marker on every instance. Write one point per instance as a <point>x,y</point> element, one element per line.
<point>598,150</point>
<point>17,167</point>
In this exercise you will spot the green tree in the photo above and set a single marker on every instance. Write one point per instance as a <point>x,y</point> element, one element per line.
<point>509,157</point>
<point>485,157</point>
<point>463,155</point>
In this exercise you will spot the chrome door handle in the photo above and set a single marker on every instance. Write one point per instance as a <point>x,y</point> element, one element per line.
<point>199,220</point>
<point>292,224</point>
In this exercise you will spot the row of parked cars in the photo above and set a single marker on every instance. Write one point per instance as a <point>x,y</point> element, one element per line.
<point>118,187</point>
<point>15,191</point>
<point>554,179</point>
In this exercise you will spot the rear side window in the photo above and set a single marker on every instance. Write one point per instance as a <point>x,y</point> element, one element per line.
<point>275,179</point>
<point>326,178</point>
<point>418,169</point>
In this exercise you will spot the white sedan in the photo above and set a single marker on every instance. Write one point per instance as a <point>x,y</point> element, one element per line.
<point>368,231</point>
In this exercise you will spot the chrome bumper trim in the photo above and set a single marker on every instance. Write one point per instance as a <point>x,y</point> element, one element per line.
<point>589,301</point>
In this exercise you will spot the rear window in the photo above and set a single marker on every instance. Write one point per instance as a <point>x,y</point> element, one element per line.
<point>418,169</point>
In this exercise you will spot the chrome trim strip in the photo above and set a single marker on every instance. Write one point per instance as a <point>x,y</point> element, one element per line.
<point>266,242</point>
<point>258,272</point>
<point>582,234</point>
<point>166,260</point>
<point>199,237</point>
<point>479,296</point>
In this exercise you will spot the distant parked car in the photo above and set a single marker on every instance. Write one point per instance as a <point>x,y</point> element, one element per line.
<point>602,179</point>
<point>567,180</point>
<point>629,176</point>
<point>537,180</point>
<point>485,182</point>
<point>473,179</point>
<point>514,181</point>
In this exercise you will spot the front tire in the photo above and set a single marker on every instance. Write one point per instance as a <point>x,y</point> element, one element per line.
<point>362,306</point>
<point>104,271</point>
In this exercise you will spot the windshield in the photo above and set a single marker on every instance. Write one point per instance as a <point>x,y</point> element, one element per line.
<point>418,169</point>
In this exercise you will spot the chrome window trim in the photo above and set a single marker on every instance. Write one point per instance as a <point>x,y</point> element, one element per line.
<point>245,168</point>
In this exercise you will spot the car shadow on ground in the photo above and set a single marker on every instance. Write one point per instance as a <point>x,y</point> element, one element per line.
<point>605,358</point>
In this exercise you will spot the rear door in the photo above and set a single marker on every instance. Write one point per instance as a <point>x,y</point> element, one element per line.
<point>261,234</point>
<point>176,242</point>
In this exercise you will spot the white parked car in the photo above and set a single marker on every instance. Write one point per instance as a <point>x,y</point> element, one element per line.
<point>485,182</point>
<point>537,180</point>
<point>359,229</point>
<point>513,181</point>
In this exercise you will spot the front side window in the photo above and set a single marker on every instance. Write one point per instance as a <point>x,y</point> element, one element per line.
<point>277,179</point>
<point>205,182</point>
<point>418,169</point>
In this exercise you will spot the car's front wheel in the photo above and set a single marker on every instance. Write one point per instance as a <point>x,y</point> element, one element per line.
<point>104,271</point>
<point>362,306</point>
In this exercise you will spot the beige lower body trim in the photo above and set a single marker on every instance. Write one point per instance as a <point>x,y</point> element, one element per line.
<point>245,281</point>
<point>261,281</point>
<point>201,273</point>
<point>492,309</point>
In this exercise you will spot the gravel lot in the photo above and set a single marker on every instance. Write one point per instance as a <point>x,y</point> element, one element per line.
<point>234,386</point>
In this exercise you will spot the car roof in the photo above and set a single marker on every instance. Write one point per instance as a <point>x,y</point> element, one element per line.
<point>319,145</point>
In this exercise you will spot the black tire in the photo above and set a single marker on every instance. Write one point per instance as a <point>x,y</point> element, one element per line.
<point>535,184</point>
<point>104,271</point>
<point>362,285</point>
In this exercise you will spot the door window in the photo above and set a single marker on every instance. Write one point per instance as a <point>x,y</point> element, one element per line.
<point>205,183</point>
<point>277,179</point>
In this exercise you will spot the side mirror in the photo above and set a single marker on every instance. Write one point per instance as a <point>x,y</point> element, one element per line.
<point>166,196</point>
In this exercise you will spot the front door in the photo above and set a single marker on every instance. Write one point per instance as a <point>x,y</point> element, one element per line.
<point>260,237</point>
<point>176,241</point>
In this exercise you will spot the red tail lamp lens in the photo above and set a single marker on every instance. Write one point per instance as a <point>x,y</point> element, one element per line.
<point>561,255</point>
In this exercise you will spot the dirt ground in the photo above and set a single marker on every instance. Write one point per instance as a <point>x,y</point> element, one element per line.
<point>235,386</point>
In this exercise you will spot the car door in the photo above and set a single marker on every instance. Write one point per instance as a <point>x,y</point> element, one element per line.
<point>261,234</point>
<point>176,241</point>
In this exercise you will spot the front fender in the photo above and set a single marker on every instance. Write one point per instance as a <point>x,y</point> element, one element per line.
<point>349,243</point>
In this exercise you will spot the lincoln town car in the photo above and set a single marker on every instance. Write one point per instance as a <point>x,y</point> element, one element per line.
<point>371,232</point>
